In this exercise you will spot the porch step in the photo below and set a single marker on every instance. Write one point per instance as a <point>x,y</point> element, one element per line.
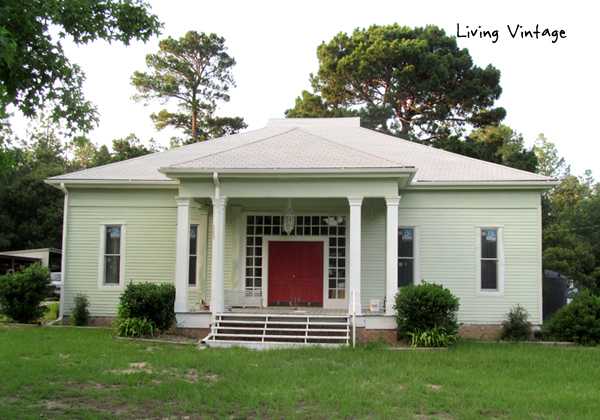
<point>260,331</point>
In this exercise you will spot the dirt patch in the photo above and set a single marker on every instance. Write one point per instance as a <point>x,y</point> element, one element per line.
<point>433,386</point>
<point>435,416</point>
<point>490,413</point>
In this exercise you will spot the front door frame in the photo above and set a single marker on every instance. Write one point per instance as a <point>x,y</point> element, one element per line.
<point>327,303</point>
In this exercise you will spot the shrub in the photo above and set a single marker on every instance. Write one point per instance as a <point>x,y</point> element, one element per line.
<point>80,315</point>
<point>433,337</point>
<point>22,293</point>
<point>516,327</point>
<point>424,308</point>
<point>153,302</point>
<point>579,321</point>
<point>133,327</point>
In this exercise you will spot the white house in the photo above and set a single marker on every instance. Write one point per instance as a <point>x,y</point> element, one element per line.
<point>306,212</point>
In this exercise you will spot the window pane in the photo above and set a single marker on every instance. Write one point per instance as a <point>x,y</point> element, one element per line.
<point>113,240</point>
<point>193,240</point>
<point>112,269</point>
<point>192,272</point>
<point>488,244</point>
<point>405,272</point>
<point>489,274</point>
<point>405,243</point>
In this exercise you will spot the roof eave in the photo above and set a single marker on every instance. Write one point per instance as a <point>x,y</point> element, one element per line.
<point>179,173</point>
<point>543,185</point>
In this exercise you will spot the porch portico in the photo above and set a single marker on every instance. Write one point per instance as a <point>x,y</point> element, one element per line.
<point>251,212</point>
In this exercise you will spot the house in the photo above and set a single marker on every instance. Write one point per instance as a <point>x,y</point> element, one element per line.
<point>307,213</point>
<point>12,261</point>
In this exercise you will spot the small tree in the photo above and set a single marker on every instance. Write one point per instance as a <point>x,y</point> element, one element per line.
<point>80,316</point>
<point>426,307</point>
<point>22,293</point>
<point>516,327</point>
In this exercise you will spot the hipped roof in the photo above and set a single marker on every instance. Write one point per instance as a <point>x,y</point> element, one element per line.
<point>310,144</point>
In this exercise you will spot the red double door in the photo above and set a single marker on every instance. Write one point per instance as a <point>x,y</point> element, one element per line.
<point>295,273</point>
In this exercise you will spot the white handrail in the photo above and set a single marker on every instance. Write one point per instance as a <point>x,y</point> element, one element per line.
<point>353,318</point>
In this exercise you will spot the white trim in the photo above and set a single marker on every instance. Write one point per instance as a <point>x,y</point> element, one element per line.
<point>501,262</point>
<point>217,292</point>
<point>354,252</point>
<point>182,253</point>
<point>202,222</point>
<point>391,257</point>
<point>101,252</point>
<point>196,286</point>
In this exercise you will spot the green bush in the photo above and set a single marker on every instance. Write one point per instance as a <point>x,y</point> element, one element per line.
<point>133,327</point>
<point>22,293</point>
<point>579,321</point>
<point>433,337</point>
<point>424,308</point>
<point>80,315</point>
<point>516,327</point>
<point>150,301</point>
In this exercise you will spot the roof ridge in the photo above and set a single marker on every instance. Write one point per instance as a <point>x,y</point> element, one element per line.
<point>236,147</point>
<point>351,148</point>
<point>457,154</point>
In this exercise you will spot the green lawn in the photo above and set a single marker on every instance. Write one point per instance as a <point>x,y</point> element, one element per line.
<point>75,373</point>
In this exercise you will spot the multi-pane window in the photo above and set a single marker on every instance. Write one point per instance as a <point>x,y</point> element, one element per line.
<point>406,257</point>
<point>193,260</point>
<point>489,259</point>
<point>332,226</point>
<point>112,255</point>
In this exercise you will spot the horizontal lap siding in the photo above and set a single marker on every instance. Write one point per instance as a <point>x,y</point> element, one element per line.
<point>448,256</point>
<point>149,249</point>
<point>373,247</point>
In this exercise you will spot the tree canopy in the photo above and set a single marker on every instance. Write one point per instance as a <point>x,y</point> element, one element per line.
<point>31,211</point>
<point>33,66</point>
<point>415,83</point>
<point>497,144</point>
<point>195,71</point>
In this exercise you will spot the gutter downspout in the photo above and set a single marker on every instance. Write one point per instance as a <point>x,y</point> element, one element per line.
<point>217,185</point>
<point>63,257</point>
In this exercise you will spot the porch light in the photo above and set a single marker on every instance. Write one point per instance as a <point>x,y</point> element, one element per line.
<point>289,219</point>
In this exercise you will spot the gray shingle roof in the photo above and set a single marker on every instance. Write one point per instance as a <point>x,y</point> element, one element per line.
<point>308,143</point>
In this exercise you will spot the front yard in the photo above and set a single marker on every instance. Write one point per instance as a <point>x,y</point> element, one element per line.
<point>84,373</point>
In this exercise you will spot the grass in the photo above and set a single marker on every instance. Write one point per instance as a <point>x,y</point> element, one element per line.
<point>75,373</point>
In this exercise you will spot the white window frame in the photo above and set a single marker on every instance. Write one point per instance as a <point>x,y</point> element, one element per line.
<point>197,282</point>
<point>201,238</point>
<point>416,272</point>
<point>499,291</point>
<point>122,247</point>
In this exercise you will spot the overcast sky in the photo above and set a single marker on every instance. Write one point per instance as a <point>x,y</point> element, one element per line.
<point>548,87</point>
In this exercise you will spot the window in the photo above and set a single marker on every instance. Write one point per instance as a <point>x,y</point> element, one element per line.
<point>490,259</point>
<point>112,256</point>
<point>406,256</point>
<point>193,260</point>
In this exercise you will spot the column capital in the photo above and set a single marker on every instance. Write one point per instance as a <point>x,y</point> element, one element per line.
<point>392,201</point>
<point>355,201</point>
<point>221,201</point>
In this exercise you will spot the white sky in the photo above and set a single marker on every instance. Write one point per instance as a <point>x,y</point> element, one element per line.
<point>548,87</point>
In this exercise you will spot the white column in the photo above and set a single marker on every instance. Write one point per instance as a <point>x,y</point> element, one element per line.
<point>391,257</point>
<point>182,255</point>
<point>354,251</point>
<point>217,303</point>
